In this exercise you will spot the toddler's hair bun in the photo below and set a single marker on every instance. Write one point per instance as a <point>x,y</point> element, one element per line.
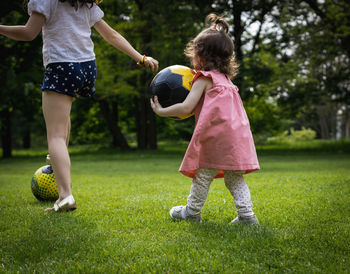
<point>220,22</point>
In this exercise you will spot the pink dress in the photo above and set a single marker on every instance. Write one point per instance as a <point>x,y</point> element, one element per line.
<point>222,138</point>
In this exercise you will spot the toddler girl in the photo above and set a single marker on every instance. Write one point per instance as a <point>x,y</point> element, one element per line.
<point>222,144</point>
<point>70,70</point>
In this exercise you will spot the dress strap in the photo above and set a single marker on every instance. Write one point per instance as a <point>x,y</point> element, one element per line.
<point>201,73</point>
<point>216,77</point>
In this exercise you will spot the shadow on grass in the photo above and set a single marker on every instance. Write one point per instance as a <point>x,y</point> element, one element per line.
<point>232,231</point>
<point>51,239</point>
<point>224,248</point>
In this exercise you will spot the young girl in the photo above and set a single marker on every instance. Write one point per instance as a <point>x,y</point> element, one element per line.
<point>69,60</point>
<point>222,144</point>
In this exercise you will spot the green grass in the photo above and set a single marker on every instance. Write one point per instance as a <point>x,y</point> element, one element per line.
<point>122,222</point>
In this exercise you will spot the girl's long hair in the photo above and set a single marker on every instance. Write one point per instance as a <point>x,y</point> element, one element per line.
<point>214,47</point>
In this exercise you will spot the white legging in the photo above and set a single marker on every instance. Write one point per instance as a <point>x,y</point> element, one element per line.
<point>235,183</point>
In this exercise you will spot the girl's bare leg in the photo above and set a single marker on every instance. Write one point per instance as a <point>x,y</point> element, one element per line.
<point>48,160</point>
<point>56,110</point>
<point>68,133</point>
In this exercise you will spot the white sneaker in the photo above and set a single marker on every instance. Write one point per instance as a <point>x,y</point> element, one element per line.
<point>180,213</point>
<point>245,220</point>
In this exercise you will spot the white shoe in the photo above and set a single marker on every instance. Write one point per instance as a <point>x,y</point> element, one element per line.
<point>180,213</point>
<point>67,204</point>
<point>245,220</point>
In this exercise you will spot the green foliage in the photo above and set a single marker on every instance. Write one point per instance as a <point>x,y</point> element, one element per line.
<point>263,77</point>
<point>319,146</point>
<point>20,75</point>
<point>89,127</point>
<point>317,35</point>
<point>162,35</point>
<point>122,222</point>
<point>305,134</point>
<point>296,75</point>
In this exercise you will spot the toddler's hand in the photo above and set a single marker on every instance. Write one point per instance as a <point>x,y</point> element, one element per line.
<point>155,105</point>
<point>151,62</point>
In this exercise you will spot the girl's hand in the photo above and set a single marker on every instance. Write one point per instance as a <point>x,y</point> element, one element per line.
<point>119,42</point>
<point>151,62</point>
<point>186,107</point>
<point>157,108</point>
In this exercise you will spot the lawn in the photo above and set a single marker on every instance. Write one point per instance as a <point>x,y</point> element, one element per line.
<point>122,223</point>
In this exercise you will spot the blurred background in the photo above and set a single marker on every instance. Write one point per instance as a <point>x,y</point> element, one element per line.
<point>294,72</point>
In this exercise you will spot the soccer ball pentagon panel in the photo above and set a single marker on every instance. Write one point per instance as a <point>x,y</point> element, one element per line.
<point>172,85</point>
<point>43,184</point>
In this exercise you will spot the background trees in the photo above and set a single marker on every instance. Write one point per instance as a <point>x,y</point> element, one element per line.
<point>294,71</point>
<point>20,72</point>
<point>319,34</point>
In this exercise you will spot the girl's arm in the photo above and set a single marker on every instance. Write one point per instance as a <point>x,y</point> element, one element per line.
<point>119,42</point>
<point>187,106</point>
<point>27,32</point>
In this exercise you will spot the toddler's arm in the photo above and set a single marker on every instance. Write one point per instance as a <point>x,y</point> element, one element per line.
<point>187,106</point>
<point>119,42</point>
<point>27,32</point>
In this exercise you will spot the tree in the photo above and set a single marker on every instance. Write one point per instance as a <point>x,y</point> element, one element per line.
<point>154,29</point>
<point>19,70</point>
<point>306,83</point>
<point>316,34</point>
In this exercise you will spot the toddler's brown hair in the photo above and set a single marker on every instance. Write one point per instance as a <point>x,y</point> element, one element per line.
<point>214,47</point>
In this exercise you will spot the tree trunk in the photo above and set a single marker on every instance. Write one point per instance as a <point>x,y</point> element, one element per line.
<point>346,133</point>
<point>137,120</point>
<point>333,110</point>
<point>141,124</point>
<point>118,137</point>
<point>237,34</point>
<point>152,129</point>
<point>145,120</point>
<point>321,111</point>
<point>238,29</point>
<point>6,134</point>
<point>26,138</point>
<point>115,114</point>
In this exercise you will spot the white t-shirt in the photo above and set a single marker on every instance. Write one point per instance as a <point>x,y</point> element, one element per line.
<point>66,32</point>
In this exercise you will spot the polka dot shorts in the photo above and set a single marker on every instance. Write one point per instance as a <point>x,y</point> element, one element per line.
<point>73,79</point>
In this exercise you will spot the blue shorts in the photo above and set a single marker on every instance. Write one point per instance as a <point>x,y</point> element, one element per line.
<point>73,79</point>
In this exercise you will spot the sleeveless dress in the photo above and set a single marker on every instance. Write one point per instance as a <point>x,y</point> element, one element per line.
<point>222,138</point>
